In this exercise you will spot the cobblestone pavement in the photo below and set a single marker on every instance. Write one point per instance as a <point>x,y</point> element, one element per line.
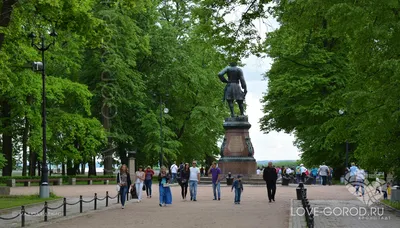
<point>254,211</point>
<point>345,213</point>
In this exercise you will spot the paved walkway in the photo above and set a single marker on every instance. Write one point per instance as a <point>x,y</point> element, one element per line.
<point>254,211</point>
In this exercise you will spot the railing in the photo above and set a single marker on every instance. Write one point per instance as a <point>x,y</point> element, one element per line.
<point>307,207</point>
<point>45,208</point>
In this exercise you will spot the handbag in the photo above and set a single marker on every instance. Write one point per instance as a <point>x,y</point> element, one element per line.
<point>118,188</point>
<point>166,185</point>
<point>144,188</point>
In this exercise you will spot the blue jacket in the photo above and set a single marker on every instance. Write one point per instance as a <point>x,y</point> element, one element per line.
<point>237,185</point>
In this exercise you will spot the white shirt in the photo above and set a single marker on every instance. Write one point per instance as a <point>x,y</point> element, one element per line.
<point>303,169</point>
<point>139,174</point>
<point>258,172</point>
<point>360,175</point>
<point>174,168</point>
<point>193,173</point>
<point>323,170</point>
<point>288,171</point>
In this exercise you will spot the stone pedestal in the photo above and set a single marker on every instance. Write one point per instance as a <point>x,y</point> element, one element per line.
<point>132,168</point>
<point>237,152</point>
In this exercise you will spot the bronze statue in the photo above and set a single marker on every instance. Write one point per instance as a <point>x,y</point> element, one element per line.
<point>232,89</point>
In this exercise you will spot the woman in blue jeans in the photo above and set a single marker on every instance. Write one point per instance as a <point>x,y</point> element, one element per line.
<point>149,173</point>
<point>165,191</point>
<point>124,181</point>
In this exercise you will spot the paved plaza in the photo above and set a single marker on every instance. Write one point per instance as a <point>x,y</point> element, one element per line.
<point>254,211</point>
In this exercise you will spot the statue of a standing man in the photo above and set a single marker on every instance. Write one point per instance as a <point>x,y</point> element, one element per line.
<point>232,89</point>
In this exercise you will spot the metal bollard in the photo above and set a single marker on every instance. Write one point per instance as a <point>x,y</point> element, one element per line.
<point>299,192</point>
<point>22,216</point>
<point>106,198</point>
<point>45,211</point>
<point>65,207</point>
<point>80,204</point>
<point>95,201</point>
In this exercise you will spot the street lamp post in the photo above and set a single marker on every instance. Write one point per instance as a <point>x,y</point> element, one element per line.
<point>40,66</point>
<point>165,110</point>
<point>341,112</point>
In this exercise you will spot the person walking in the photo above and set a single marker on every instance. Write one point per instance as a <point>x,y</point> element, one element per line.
<point>298,173</point>
<point>303,173</point>
<point>194,179</point>
<point>216,180</point>
<point>139,183</point>
<point>270,176</point>
<point>314,173</point>
<point>353,174</point>
<point>323,173</point>
<point>163,183</point>
<point>148,181</point>
<point>174,171</point>
<point>185,175</point>
<point>124,181</point>
<point>238,186</point>
<point>360,177</point>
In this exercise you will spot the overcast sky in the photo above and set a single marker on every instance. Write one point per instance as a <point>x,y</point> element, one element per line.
<point>272,146</point>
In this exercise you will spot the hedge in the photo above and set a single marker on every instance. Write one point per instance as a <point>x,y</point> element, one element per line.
<point>3,179</point>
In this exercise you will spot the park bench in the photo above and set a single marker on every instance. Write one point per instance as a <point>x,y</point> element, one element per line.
<point>106,180</point>
<point>27,182</point>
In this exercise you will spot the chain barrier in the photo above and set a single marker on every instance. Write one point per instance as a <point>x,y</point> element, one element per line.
<point>34,213</point>
<point>23,212</point>
<point>11,218</point>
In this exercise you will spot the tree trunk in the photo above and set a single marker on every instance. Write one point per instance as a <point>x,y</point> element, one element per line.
<point>25,146</point>
<point>63,168</point>
<point>83,166</point>
<point>5,17</point>
<point>76,167</point>
<point>7,138</point>
<point>123,157</point>
<point>39,167</point>
<point>32,163</point>
<point>108,159</point>
<point>71,171</point>
<point>92,166</point>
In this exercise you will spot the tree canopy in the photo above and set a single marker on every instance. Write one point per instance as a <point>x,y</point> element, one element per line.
<point>333,80</point>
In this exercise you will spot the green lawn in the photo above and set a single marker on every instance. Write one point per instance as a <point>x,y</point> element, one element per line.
<point>16,201</point>
<point>392,204</point>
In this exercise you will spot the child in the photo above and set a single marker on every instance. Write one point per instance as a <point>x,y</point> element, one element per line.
<point>238,185</point>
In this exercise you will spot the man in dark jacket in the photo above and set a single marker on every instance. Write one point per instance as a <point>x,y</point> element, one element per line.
<point>270,176</point>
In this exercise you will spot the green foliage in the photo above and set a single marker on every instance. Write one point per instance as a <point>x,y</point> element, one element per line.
<point>108,76</point>
<point>392,204</point>
<point>331,56</point>
<point>3,161</point>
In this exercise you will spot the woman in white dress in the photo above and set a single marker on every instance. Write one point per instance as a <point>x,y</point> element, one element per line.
<point>139,182</point>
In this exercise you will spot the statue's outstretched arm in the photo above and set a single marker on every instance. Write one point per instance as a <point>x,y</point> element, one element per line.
<point>221,75</point>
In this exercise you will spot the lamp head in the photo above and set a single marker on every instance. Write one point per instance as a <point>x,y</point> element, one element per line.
<point>53,34</point>
<point>32,35</point>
